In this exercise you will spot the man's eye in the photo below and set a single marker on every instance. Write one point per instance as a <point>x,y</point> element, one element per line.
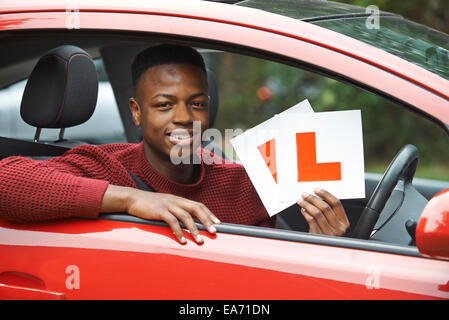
<point>199,105</point>
<point>163,105</point>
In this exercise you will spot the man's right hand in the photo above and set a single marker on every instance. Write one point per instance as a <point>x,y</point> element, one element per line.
<point>160,206</point>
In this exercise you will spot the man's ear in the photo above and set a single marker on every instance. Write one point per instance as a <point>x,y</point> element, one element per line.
<point>135,110</point>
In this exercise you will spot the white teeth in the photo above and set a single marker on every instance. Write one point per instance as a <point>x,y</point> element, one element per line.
<point>181,137</point>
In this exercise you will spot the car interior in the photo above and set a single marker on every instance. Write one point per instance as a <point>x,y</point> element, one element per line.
<point>68,56</point>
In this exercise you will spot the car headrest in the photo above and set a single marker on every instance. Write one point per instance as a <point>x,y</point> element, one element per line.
<point>62,89</point>
<point>213,93</point>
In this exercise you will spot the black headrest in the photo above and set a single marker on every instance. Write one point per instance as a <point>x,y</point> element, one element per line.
<point>62,90</point>
<point>213,93</point>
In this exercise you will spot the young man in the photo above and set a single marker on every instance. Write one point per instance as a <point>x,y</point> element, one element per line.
<point>170,95</point>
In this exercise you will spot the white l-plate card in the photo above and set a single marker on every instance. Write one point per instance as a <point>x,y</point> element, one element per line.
<point>256,151</point>
<point>321,150</point>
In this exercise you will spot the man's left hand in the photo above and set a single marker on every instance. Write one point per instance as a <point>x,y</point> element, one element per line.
<point>324,214</point>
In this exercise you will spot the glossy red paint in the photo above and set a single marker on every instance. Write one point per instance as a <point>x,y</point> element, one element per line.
<point>118,260</point>
<point>11,292</point>
<point>432,232</point>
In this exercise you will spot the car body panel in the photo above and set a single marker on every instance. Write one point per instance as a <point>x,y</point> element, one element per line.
<point>60,259</point>
<point>133,254</point>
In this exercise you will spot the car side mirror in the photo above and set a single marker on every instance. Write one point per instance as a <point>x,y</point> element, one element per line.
<point>432,231</point>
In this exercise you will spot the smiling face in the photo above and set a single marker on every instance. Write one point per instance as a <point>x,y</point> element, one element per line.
<point>169,98</point>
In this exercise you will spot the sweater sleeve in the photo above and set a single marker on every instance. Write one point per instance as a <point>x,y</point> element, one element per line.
<point>33,190</point>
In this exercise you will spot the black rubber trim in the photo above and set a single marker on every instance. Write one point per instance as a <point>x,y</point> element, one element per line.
<point>285,235</point>
<point>348,16</point>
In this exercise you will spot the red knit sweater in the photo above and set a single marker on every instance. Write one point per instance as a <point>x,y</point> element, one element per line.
<point>74,185</point>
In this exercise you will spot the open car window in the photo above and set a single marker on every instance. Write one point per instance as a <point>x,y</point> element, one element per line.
<point>252,90</point>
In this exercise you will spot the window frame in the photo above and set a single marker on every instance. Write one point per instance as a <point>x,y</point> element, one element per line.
<point>284,235</point>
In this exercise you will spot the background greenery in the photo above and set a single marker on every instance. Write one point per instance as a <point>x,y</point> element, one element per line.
<point>265,88</point>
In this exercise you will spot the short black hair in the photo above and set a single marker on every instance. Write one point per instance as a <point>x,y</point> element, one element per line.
<point>165,54</point>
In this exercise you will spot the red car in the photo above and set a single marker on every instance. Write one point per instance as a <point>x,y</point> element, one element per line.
<point>264,59</point>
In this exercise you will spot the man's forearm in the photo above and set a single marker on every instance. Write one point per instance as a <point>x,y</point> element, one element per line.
<point>115,199</point>
<point>37,190</point>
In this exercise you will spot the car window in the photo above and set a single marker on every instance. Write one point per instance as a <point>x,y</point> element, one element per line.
<point>252,90</point>
<point>105,125</point>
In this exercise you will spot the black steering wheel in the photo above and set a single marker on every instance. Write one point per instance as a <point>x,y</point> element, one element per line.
<point>402,167</point>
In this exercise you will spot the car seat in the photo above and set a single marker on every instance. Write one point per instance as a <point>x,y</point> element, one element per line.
<point>61,92</point>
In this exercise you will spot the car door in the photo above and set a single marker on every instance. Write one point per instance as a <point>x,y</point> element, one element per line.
<point>122,257</point>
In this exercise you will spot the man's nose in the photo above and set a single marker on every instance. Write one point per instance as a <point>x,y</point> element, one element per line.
<point>182,114</point>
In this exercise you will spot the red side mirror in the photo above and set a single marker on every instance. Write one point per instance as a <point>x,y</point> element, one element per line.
<point>432,231</point>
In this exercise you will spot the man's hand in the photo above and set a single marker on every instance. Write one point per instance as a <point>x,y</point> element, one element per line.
<point>160,206</point>
<point>324,214</point>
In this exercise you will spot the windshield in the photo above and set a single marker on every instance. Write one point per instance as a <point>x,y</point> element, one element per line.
<point>303,9</point>
<point>416,43</point>
<point>411,41</point>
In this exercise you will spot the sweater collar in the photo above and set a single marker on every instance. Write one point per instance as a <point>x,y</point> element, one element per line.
<point>160,182</point>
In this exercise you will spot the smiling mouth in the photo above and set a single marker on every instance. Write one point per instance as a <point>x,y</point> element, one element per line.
<point>180,138</point>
